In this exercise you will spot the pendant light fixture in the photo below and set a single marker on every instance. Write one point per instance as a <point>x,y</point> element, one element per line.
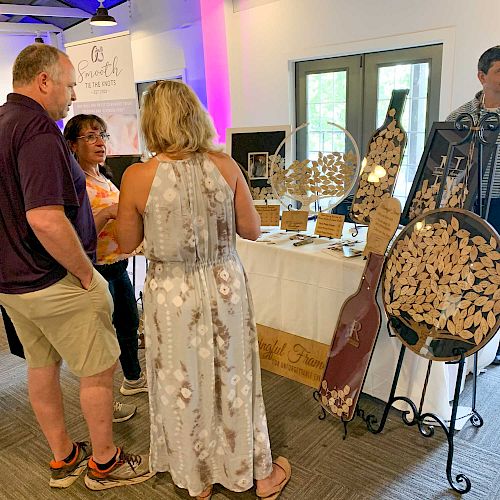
<point>102,17</point>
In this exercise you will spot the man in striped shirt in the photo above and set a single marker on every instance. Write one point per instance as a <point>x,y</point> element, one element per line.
<point>488,99</point>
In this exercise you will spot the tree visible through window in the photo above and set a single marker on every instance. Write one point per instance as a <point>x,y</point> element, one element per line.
<point>414,77</point>
<point>354,92</point>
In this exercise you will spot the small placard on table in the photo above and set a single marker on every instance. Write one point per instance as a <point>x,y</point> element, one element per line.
<point>294,220</point>
<point>269,214</point>
<point>329,225</point>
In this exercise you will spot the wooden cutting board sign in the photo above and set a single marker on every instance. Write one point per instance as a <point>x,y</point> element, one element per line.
<point>359,321</point>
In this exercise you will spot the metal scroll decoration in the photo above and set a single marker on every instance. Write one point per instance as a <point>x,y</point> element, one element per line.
<point>317,185</point>
<point>381,166</point>
<point>452,152</point>
<point>476,129</point>
<point>441,284</point>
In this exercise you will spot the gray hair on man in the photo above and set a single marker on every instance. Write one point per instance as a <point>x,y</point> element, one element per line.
<point>33,60</point>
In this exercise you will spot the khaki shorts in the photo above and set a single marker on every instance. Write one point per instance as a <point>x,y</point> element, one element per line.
<point>65,321</point>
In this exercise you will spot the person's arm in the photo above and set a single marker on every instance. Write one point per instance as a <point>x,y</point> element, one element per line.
<point>129,225</point>
<point>102,217</point>
<point>57,235</point>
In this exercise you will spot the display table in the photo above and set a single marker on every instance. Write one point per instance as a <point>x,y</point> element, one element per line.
<point>300,290</point>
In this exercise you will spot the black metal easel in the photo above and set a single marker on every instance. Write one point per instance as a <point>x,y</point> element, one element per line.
<point>476,127</point>
<point>358,412</point>
<point>423,421</point>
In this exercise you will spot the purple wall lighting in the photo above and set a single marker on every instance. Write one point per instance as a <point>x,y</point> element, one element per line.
<point>216,64</point>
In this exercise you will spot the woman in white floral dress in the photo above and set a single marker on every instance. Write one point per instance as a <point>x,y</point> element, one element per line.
<point>208,422</point>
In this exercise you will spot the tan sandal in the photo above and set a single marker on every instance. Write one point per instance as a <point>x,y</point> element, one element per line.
<point>275,491</point>
<point>205,495</point>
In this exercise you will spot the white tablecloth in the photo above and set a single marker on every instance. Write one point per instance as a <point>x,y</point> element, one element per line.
<point>300,290</point>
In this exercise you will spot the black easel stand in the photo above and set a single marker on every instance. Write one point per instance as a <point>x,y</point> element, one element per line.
<point>355,230</point>
<point>461,483</point>
<point>476,126</point>
<point>358,413</point>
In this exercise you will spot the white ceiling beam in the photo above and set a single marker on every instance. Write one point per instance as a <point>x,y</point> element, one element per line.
<point>28,28</point>
<point>36,11</point>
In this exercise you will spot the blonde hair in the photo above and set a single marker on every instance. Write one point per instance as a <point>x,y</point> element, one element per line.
<point>173,120</point>
<point>35,59</point>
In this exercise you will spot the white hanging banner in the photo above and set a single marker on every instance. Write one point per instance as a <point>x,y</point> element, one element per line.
<point>106,87</point>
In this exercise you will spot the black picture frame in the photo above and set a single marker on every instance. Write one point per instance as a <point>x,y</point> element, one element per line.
<point>442,150</point>
<point>242,142</point>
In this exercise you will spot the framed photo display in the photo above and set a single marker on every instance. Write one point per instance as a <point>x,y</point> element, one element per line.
<point>258,166</point>
<point>251,149</point>
<point>442,150</point>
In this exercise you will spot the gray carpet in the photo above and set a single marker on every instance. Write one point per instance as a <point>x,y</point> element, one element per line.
<point>397,464</point>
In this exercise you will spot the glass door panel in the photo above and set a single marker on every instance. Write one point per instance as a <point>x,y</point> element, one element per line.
<point>354,92</point>
<point>326,102</point>
<point>411,69</point>
<point>328,90</point>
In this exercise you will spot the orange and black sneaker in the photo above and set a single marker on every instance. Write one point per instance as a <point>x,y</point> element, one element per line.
<point>64,474</point>
<point>127,469</point>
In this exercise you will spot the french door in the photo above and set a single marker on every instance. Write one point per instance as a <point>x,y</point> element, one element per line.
<point>354,92</point>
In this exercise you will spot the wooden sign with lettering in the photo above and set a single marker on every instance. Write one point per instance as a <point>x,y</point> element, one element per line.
<point>329,225</point>
<point>291,356</point>
<point>356,332</point>
<point>383,224</point>
<point>294,220</point>
<point>269,214</point>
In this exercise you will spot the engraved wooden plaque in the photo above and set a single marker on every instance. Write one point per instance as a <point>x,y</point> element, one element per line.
<point>329,225</point>
<point>269,214</point>
<point>352,345</point>
<point>357,327</point>
<point>294,220</point>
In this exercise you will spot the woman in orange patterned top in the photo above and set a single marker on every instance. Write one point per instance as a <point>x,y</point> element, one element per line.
<point>87,138</point>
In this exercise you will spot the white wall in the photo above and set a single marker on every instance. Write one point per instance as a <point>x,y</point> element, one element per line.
<point>166,39</point>
<point>10,45</point>
<point>265,40</point>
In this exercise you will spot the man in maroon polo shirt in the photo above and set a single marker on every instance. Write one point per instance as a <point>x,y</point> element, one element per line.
<point>59,304</point>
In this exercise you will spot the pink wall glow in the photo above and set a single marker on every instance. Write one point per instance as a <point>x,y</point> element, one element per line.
<point>216,65</point>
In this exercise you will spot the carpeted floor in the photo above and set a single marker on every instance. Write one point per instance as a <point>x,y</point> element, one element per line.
<point>397,464</point>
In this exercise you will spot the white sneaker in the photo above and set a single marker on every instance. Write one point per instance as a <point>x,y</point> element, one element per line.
<point>131,387</point>
<point>123,411</point>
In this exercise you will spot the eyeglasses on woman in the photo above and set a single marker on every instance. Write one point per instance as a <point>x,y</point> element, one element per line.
<point>92,138</point>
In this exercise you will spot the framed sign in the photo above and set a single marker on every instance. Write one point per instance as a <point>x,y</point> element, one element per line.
<point>460,185</point>
<point>251,149</point>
